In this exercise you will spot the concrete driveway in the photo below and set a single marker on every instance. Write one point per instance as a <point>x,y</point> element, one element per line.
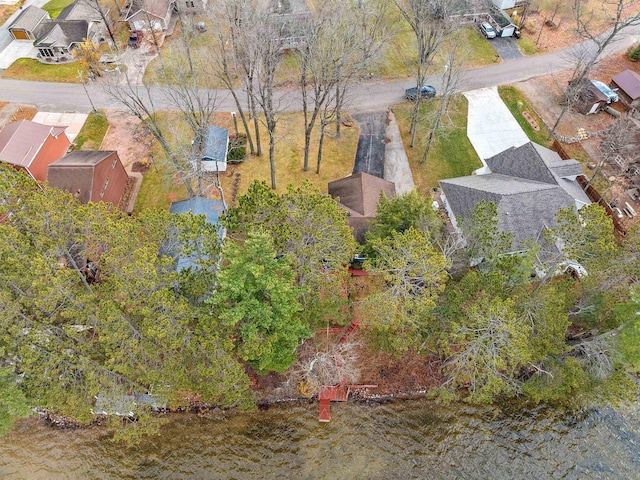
<point>73,121</point>
<point>10,49</point>
<point>490,126</point>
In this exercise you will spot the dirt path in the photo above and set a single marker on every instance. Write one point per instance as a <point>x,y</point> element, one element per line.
<point>125,136</point>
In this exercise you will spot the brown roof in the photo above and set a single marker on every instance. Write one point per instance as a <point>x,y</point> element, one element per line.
<point>75,172</point>
<point>629,81</point>
<point>20,141</point>
<point>360,193</point>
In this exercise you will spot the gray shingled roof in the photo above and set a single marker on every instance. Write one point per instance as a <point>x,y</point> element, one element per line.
<point>82,158</point>
<point>81,10</point>
<point>20,141</point>
<point>522,162</point>
<point>157,8</point>
<point>527,187</point>
<point>61,34</point>
<point>29,18</point>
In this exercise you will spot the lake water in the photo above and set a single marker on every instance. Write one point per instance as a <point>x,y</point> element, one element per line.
<point>405,439</point>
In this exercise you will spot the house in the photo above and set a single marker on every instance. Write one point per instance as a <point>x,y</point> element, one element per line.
<point>528,185</point>
<point>213,151</point>
<point>627,85</point>
<point>359,195</point>
<point>592,96</point>
<point>87,10</point>
<point>23,27</point>
<point>502,23</point>
<point>150,14</point>
<point>211,209</point>
<point>90,175</point>
<point>32,146</point>
<point>56,40</point>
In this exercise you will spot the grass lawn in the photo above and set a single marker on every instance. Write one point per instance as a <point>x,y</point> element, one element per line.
<point>159,187</point>
<point>54,7</point>
<point>451,154</point>
<point>478,50</point>
<point>528,46</point>
<point>32,69</point>
<point>7,10</point>
<point>93,131</point>
<point>337,158</point>
<point>518,103</point>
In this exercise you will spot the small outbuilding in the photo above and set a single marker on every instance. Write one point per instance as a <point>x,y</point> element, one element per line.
<point>627,85</point>
<point>213,151</point>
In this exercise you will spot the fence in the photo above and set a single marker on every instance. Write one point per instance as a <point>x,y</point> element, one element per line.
<point>595,197</point>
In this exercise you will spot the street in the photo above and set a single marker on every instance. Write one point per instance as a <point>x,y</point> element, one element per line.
<point>363,97</point>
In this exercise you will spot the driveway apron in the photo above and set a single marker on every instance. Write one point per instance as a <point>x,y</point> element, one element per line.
<point>506,47</point>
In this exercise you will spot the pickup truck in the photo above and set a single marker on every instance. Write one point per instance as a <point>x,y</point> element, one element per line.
<point>426,91</point>
<point>135,38</point>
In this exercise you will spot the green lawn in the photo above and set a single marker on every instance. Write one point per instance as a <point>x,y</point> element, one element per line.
<point>54,7</point>
<point>32,69</point>
<point>159,188</point>
<point>517,103</point>
<point>451,154</point>
<point>93,131</point>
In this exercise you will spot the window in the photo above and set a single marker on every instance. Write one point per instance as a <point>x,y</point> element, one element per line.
<point>190,4</point>
<point>113,164</point>
<point>104,187</point>
<point>46,52</point>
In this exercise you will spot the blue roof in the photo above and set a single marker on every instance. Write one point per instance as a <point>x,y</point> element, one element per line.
<point>211,209</point>
<point>215,144</point>
<point>199,206</point>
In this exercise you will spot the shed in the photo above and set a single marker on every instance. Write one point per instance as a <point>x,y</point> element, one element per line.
<point>90,175</point>
<point>213,155</point>
<point>627,84</point>
<point>23,27</point>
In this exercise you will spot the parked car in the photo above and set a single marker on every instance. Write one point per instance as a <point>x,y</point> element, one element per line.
<point>487,30</point>
<point>426,91</point>
<point>135,38</point>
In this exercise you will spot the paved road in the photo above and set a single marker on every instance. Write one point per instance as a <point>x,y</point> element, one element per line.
<point>366,97</point>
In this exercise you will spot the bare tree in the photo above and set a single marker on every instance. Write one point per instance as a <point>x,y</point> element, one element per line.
<point>450,84</point>
<point>268,38</point>
<point>430,24</point>
<point>620,14</point>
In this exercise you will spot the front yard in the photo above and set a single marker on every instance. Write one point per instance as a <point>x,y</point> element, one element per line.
<point>32,69</point>
<point>451,153</point>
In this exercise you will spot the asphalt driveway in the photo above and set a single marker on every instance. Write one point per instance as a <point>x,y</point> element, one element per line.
<point>506,47</point>
<point>371,145</point>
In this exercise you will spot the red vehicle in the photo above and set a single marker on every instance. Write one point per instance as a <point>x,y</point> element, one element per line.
<point>135,38</point>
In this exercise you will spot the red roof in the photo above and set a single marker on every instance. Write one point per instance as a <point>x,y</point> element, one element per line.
<point>629,82</point>
<point>20,141</point>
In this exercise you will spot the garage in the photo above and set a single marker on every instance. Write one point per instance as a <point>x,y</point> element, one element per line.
<point>20,34</point>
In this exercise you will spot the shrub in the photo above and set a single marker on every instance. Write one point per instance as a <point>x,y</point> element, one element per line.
<point>237,148</point>
<point>634,54</point>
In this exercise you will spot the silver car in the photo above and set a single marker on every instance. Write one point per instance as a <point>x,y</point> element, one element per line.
<point>487,30</point>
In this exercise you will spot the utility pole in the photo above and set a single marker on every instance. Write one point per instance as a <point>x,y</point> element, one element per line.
<point>86,91</point>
